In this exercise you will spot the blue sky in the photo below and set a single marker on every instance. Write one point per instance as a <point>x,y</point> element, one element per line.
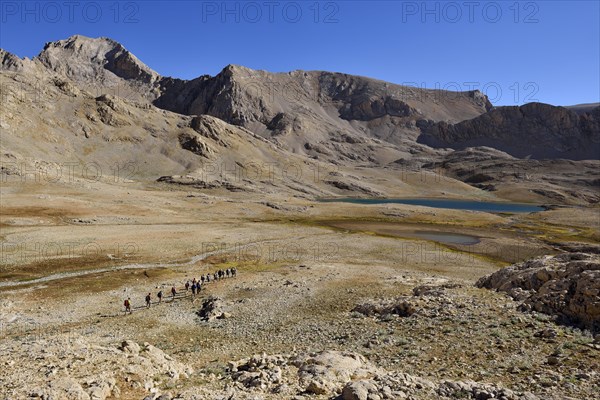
<point>516,52</point>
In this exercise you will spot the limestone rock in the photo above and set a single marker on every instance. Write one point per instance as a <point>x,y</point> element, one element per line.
<point>533,130</point>
<point>566,285</point>
<point>212,308</point>
<point>326,372</point>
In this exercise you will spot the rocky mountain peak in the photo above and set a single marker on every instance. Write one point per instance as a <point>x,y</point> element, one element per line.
<point>233,69</point>
<point>85,59</point>
<point>10,62</point>
<point>481,99</point>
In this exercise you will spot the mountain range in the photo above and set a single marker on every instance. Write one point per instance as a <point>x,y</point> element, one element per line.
<point>91,97</point>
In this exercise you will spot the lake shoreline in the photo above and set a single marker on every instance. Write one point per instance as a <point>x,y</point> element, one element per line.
<point>452,204</point>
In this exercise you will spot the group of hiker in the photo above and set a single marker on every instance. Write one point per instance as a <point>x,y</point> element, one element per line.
<point>195,285</point>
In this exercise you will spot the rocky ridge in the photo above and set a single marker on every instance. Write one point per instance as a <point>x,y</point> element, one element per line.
<point>534,130</point>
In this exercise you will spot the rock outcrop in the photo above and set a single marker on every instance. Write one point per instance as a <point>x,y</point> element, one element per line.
<point>326,372</point>
<point>566,285</point>
<point>213,308</point>
<point>10,62</point>
<point>85,59</point>
<point>534,130</point>
<point>400,307</point>
<point>349,376</point>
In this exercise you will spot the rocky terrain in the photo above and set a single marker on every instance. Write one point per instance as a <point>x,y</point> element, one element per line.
<point>566,285</point>
<point>70,367</point>
<point>534,130</point>
<point>554,181</point>
<point>455,342</point>
<point>117,182</point>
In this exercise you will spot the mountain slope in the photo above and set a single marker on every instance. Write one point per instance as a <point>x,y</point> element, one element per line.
<point>90,100</point>
<point>53,131</point>
<point>317,105</point>
<point>329,116</point>
<point>64,125</point>
<point>83,59</point>
<point>534,130</point>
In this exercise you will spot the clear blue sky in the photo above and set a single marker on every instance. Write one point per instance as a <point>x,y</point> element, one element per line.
<point>547,51</point>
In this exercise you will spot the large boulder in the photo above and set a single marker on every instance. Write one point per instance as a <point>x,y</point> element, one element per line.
<point>212,308</point>
<point>328,371</point>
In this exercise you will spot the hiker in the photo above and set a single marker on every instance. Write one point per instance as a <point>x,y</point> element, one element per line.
<point>207,277</point>
<point>173,292</point>
<point>193,289</point>
<point>127,304</point>
<point>233,271</point>
<point>159,295</point>
<point>216,276</point>
<point>202,278</point>
<point>187,286</point>
<point>228,272</point>
<point>148,298</point>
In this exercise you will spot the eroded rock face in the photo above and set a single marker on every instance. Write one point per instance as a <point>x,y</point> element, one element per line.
<point>259,371</point>
<point>566,285</point>
<point>395,385</point>
<point>427,301</point>
<point>84,58</point>
<point>533,130</point>
<point>195,144</point>
<point>10,62</point>
<point>477,390</point>
<point>213,128</point>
